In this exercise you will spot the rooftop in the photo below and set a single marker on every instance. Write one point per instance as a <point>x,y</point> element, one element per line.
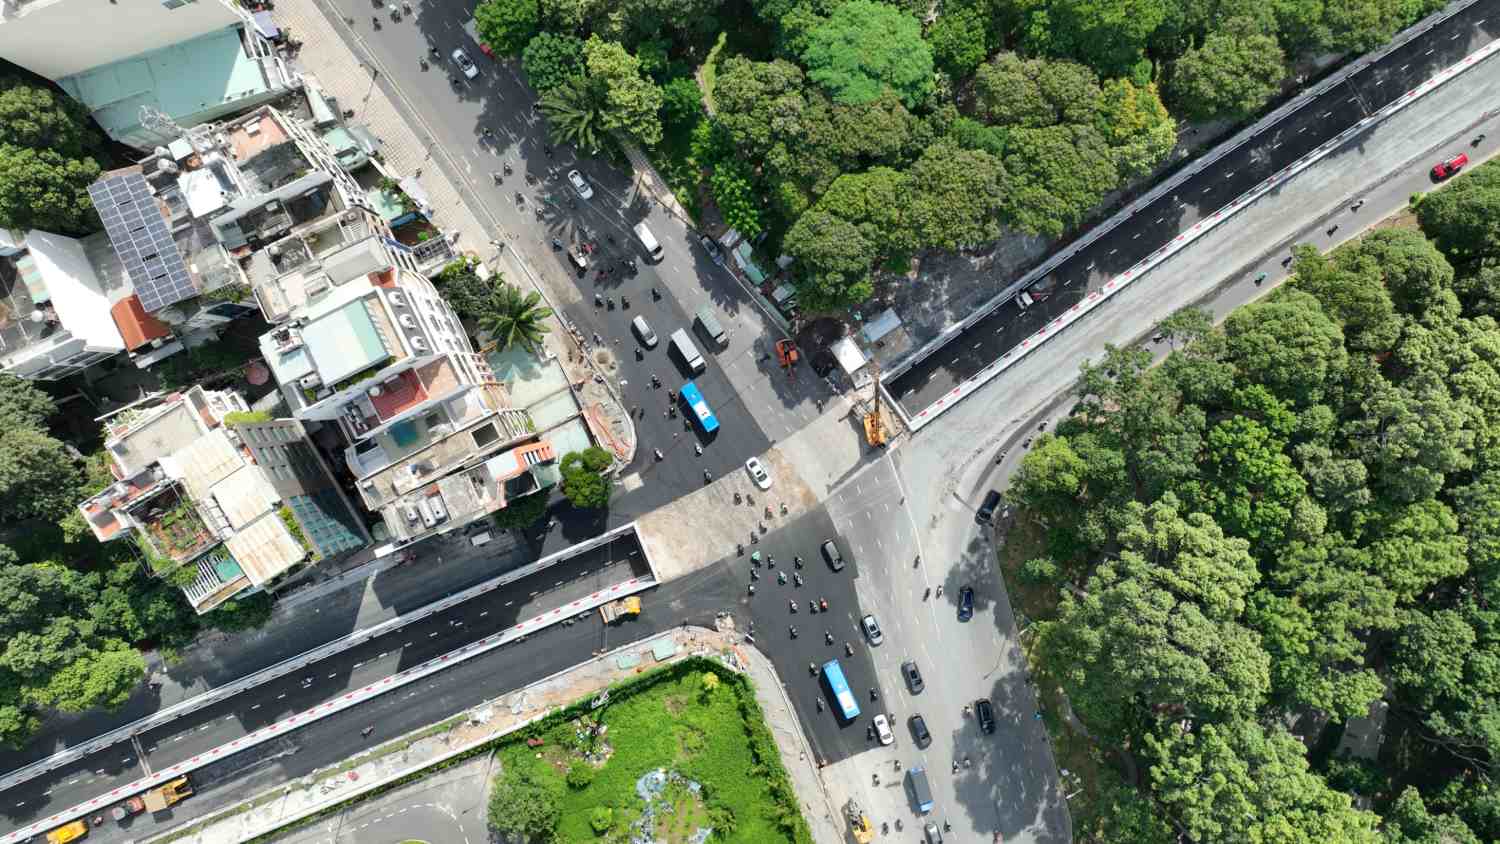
<point>482,489</point>
<point>348,341</point>
<point>142,438</point>
<point>188,81</point>
<point>50,291</point>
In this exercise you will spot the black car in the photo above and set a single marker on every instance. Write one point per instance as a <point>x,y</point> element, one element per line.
<point>966,603</point>
<point>919,730</point>
<point>912,676</point>
<point>985,714</point>
<point>986,513</point>
<point>832,555</point>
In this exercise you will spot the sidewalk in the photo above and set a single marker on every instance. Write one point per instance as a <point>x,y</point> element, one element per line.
<point>286,804</point>
<point>697,529</point>
<point>327,58</point>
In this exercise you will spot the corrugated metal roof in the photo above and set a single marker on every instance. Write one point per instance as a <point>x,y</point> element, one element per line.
<point>265,548</point>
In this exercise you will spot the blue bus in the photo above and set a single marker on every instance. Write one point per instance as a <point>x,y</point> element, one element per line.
<point>833,675</point>
<point>694,399</point>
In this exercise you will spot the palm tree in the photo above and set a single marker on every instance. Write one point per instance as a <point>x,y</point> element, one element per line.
<point>512,317</point>
<point>576,111</point>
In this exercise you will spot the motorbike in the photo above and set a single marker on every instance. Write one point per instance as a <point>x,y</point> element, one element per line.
<point>434,51</point>
<point>792,605</point>
<point>507,168</point>
<point>707,476</point>
<point>698,450</point>
<point>874,695</point>
<point>793,631</point>
<point>848,649</point>
<point>781,578</point>
<point>657,452</point>
<point>827,637</point>
<point>395,15</point>
<point>823,604</point>
<point>797,561</point>
<point>811,668</point>
<point>797,579</point>
<point>375,21</point>
<point>422,63</point>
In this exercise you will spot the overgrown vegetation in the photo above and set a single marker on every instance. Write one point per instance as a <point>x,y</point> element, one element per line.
<point>1293,517</point>
<point>695,722</point>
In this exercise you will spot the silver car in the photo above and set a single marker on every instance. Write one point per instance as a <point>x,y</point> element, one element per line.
<point>580,184</point>
<point>465,64</point>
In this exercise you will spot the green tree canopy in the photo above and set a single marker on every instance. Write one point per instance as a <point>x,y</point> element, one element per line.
<point>42,189</point>
<point>1056,175</point>
<point>956,196</point>
<point>515,317</point>
<point>507,26</point>
<point>551,59</point>
<point>833,261</point>
<point>1230,75</point>
<point>632,103</point>
<point>37,117</point>
<point>1159,625</point>
<point>525,805</point>
<point>866,48</point>
<point>1238,781</point>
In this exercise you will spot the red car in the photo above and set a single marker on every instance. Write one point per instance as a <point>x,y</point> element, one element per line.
<point>1450,166</point>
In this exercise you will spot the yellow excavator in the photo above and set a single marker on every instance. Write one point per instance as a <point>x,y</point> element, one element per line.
<point>859,823</point>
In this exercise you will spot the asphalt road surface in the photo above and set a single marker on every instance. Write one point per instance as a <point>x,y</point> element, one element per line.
<point>754,400</point>
<point>356,667</point>
<point>1197,198</point>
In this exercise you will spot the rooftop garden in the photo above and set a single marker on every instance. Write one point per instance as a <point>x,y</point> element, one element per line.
<point>176,528</point>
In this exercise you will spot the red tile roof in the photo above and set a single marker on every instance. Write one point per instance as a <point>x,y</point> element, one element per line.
<point>136,326</point>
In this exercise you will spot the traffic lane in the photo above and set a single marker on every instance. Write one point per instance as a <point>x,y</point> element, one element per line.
<point>84,778</point>
<point>248,711</point>
<point>770,611</point>
<point>376,659</point>
<point>692,599</point>
<point>1234,174</point>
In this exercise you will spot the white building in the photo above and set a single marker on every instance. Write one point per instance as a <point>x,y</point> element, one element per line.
<point>65,305</point>
<point>189,61</point>
<point>365,342</point>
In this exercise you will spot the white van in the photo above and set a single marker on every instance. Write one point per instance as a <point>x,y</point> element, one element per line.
<point>648,240</point>
<point>684,346</point>
<point>1025,300</point>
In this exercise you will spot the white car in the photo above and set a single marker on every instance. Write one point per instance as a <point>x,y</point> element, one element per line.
<point>758,473</point>
<point>465,64</point>
<point>872,629</point>
<point>580,184</point>
<point>883,729</point>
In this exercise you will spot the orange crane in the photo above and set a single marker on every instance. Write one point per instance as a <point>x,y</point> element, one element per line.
<point>874,430</point>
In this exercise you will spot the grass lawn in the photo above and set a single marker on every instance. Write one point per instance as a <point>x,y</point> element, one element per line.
<point>718,763</point>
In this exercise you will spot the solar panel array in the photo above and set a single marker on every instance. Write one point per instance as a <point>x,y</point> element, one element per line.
<point>142,239</point>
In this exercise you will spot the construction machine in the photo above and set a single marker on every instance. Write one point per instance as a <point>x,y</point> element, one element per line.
<point>786,355</point>
<point>616,610</point>
<point>874,429</point>
<point>859,823</point>
<point>162,797</point>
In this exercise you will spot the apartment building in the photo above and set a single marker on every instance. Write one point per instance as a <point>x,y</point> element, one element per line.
<point>185,231</point>
<point>144,67</point>
<point>220,501</point>
<point>364,342</point>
